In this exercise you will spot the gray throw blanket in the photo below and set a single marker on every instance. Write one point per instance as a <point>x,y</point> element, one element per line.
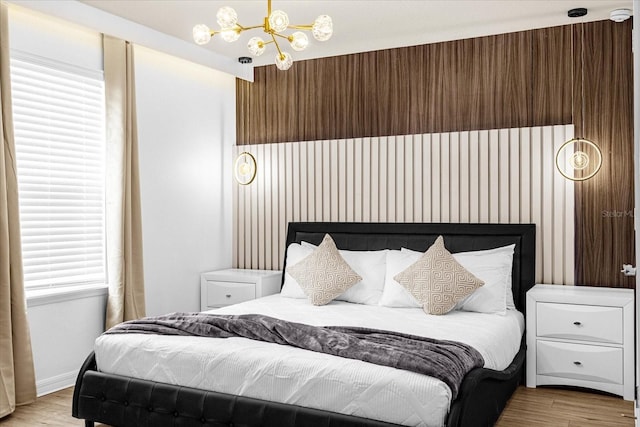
<point>448,361</point>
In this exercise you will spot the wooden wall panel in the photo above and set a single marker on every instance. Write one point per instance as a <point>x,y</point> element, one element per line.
<point>524,79</point>
<point>438,88</point>
<point>388,188</point>
<point>604,204</point>
<point>551,75</point>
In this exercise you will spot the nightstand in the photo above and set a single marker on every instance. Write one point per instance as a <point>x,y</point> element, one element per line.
<point>231,286</point>
<point>581,336</point>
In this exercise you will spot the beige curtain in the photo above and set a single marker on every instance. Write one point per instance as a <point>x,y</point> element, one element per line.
<point>124,228</point>
<point>17,379</point>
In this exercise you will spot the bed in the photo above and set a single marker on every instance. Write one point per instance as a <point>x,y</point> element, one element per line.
<point>133,400</point>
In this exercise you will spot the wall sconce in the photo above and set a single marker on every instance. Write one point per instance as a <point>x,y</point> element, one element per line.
<point>578,159</point>
<point>245,168</point>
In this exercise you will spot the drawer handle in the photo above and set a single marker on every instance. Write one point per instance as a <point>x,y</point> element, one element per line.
<point>577,323</point>
<point>228,295</point>
<point>577,363</point>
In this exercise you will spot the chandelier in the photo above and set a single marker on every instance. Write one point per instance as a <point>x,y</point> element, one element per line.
<point>274,24</point>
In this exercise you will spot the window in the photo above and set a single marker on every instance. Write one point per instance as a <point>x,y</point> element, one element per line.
<point>58,113</point>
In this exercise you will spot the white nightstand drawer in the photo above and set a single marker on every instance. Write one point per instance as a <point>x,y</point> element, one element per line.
<point>226,293</point>
<point>220,288</point>
<point>580,362</point>
<point>579,322</point>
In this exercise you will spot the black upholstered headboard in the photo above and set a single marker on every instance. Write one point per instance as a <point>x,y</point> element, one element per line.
<point>419,236</point>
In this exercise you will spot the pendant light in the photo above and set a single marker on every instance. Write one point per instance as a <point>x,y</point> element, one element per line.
<point>579,158</point>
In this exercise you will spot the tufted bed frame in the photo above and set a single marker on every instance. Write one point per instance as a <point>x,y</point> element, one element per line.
<point>123,401</point>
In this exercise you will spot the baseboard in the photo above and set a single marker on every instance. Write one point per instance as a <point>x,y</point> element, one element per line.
<point>58,382</point>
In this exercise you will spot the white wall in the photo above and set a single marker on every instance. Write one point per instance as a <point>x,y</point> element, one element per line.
<point>186,128</point>
<point>63,330</point>
<point>52,38</point>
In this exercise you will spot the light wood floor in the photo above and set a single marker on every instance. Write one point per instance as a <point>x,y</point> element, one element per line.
<point>538,407</point>
<point>554,407</point>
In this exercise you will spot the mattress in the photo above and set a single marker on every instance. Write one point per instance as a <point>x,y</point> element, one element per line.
<point>294,376</point>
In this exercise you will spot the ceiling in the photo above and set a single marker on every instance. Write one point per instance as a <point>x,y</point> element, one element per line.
<point>359,25</point>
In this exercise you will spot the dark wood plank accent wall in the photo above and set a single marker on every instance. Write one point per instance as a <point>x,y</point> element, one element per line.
<point>604,204</point>
<point>529,78</point>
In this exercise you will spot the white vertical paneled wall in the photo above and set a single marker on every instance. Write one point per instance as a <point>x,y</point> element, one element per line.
<point>487,176</point>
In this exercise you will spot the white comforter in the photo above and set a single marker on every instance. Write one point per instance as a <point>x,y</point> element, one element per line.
<point>289,375</point>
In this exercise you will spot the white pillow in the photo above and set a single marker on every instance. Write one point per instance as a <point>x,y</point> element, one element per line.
<point>394,294</point>
<point>505,263</point>
<point>370,265</point>
<point>295,253</point>
<point>493,266</point>
<point>494,269</point>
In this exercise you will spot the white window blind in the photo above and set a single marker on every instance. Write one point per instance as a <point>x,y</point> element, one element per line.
<point>58,113</point>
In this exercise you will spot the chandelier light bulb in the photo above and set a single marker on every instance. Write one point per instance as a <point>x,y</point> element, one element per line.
<point>299,41</point>
<point>579,160</point>
<point>227,17</point>
<point>322,28</point>
<point>256,46</point>
<point>284,61</point>
<point>278,21</point>
<point>201,34</point>
<point>230,35</point>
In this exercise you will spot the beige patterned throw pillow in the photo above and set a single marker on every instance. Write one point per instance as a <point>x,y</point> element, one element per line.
<point>437,280</point>
<point>324,275</point>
